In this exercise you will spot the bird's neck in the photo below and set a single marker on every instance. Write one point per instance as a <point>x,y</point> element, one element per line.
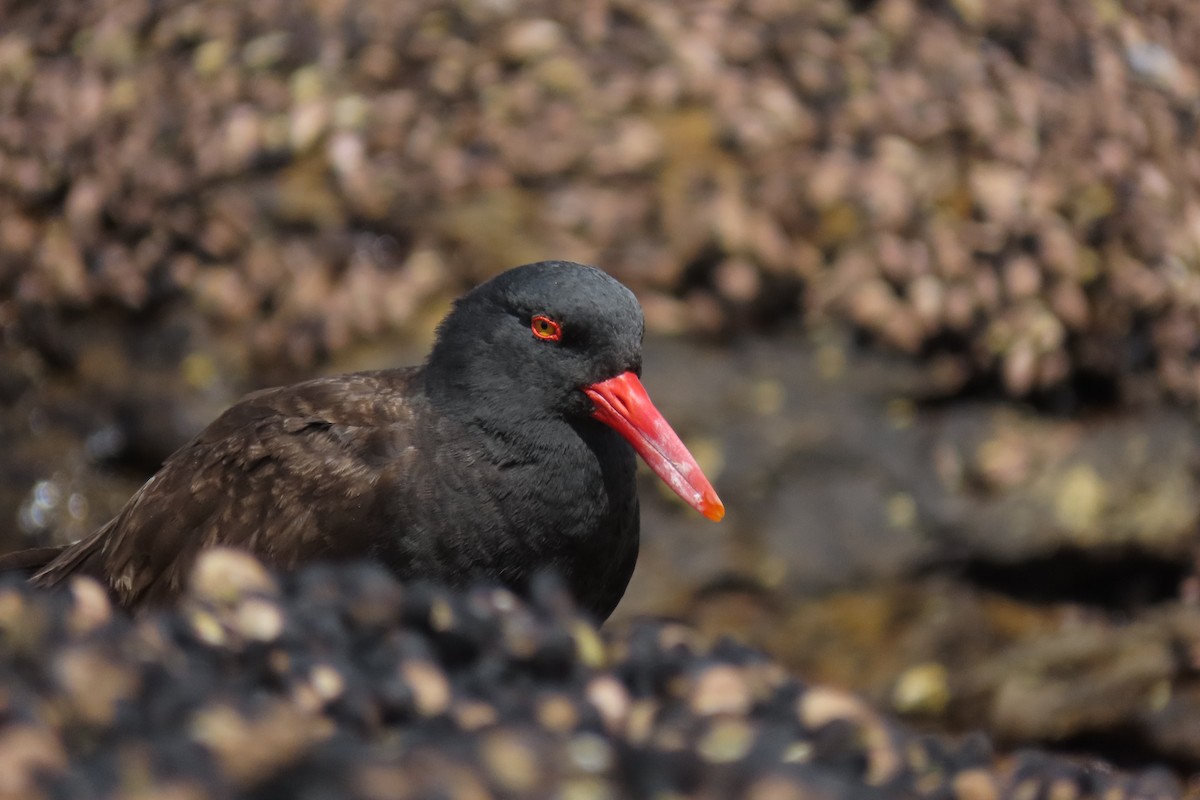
<point>490,402</point>
<point>513,431</point>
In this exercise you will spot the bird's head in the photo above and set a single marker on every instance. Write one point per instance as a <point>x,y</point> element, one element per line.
<point>563,340</point>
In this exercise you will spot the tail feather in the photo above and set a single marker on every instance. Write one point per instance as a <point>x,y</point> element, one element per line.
<point>50,566</point>
<point>29,561</point>
<point>74,559</point>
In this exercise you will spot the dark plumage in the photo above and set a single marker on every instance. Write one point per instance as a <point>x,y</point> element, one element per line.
<point>503,455</point>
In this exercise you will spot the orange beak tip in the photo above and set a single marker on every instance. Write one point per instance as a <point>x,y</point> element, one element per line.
<point>715,511</point>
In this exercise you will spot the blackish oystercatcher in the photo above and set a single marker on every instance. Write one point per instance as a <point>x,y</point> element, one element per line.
<point>510,451</point>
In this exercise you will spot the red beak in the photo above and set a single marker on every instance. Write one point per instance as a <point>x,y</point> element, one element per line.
<point>622,404</point>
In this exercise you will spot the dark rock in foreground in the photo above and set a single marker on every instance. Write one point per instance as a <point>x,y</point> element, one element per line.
<point>338,682</point>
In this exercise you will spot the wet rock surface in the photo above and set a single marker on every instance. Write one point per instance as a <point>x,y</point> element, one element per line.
<point>339,682</point>
<point>839,470</point>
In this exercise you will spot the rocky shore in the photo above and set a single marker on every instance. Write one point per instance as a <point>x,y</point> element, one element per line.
<point>947,253</point>
<point>338,682</point>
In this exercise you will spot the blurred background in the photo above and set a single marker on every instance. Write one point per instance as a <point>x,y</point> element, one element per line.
<point>921,279</point>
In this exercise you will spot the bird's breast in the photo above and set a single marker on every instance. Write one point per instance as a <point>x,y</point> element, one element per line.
<point>510,506</point>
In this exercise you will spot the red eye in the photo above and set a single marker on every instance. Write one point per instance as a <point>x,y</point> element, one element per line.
<point>545,328</point>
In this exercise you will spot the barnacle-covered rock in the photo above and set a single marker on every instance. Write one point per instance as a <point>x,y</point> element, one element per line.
<point>373,690</point>
<point>226,156</point>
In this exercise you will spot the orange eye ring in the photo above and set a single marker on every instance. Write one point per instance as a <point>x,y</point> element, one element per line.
<point>545,328</point>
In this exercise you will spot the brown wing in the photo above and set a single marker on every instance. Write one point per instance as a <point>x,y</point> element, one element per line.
<point>291,474</point>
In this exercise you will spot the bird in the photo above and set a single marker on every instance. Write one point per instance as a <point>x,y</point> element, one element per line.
<point>509,452</point>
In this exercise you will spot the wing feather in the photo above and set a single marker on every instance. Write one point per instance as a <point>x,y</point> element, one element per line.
<point>290,474</point>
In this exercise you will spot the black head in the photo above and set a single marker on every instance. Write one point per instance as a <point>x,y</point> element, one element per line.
<point>531,338</point>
